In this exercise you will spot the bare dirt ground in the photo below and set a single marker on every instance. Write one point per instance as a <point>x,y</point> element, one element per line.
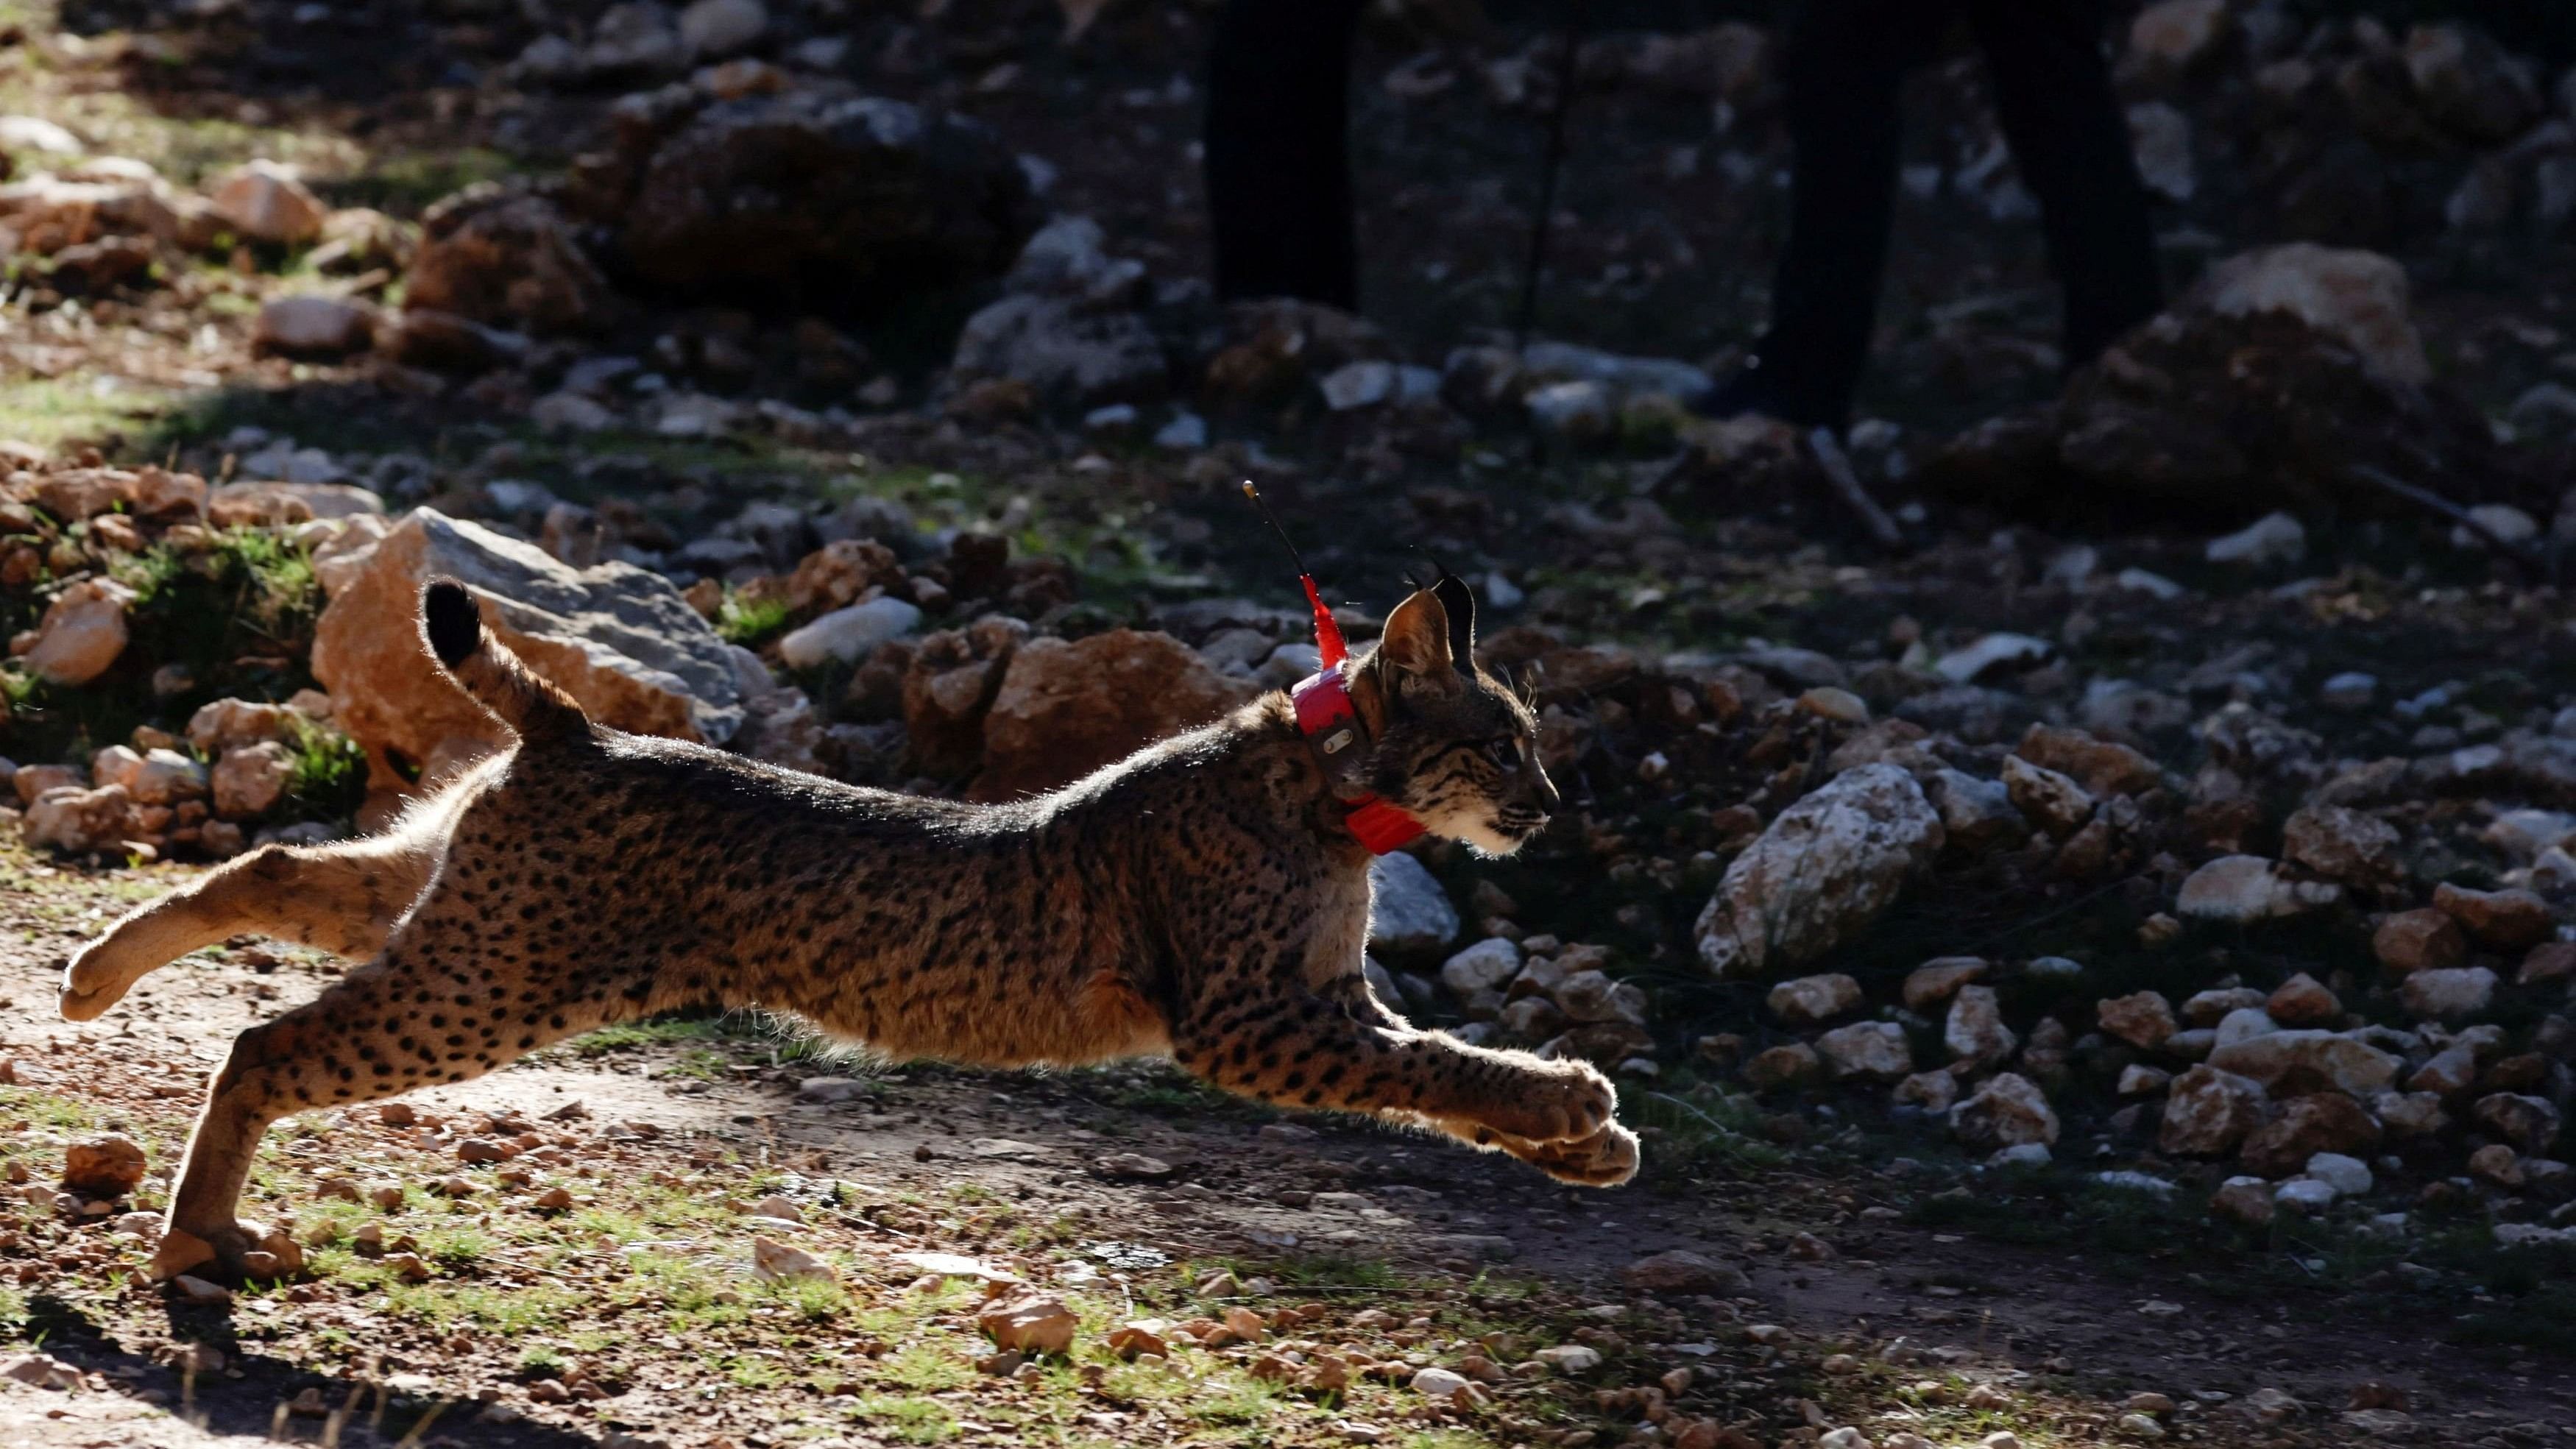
<point>1829,1244</point>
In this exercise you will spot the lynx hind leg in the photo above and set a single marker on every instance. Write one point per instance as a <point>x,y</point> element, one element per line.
<point>344,898</point>
<point>441,1005</point>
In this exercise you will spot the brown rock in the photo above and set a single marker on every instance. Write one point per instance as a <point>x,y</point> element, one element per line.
<point>2008,1111</point>
<point>506,260</point>
<point>1783,1066</point>
<point>1067,708</point>
<point>1808,1000</point>
<point>2102,767</point>
<point>250,780</point>
<point>2506,920</point>
<point>2046,798</point>
<point>1683,1271</point>
<point>106,1166</point>
<point>2142,1019</point>
<point>1029,1323</point>
<point>2549,961</point>
<point>228,724</point>
<point>948,687</point>
<point>82,632</point>
<point>2303,1001</point>
<point>2528,1123</point>
<point>2342,845</point>
<point>839,572</point>
<point>1932,983</point>
<point>312,327</point>
<point>265,202</point>
<point>77,821</point>
<point>2419,940</point>
<point>2306,1126</point>
<point>2208,1112</point>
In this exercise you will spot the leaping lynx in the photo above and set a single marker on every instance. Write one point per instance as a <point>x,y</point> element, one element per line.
<point>1200,900</point>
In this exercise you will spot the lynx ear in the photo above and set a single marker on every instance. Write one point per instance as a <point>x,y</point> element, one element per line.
<point>1459,602</point>
<point>1417,637</point>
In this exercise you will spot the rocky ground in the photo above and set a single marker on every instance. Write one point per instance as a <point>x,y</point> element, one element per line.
<point>2095,968</point>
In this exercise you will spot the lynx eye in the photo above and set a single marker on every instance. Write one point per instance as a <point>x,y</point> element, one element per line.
<point>1505,752</point>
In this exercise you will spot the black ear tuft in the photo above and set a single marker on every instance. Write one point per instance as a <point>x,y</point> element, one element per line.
<point>1459,603</point>
<point>453,623</point>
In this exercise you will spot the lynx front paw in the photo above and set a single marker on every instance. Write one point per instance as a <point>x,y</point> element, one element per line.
<point>90,985</point>
<point>1556,1102</point>
<point>1607,1158</point>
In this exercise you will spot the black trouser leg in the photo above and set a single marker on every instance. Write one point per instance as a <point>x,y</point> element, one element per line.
<point>2070,139</point>
<point>1846,60</point>
<point>1278,164</point>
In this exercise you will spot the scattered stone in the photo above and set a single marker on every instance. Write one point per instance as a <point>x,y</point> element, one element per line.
<point>2451,993</point>
<point>2288,1062</point>
<point>2208,1112</point>
<point>2505,920</point>
<point>2342,845</point>
<point>848,635</point>
<point>1824,869</point>
<point>312,327</point>
<point>263,201</point>
<point>775,1260</point>
<point>105,1167</point>
<point>1867,1049</point>
<point>1410,916</point>
<point>2242,889</point>
<point>2143,1020</point>
<point>1933,982</point>
<point>82,632</point>
<point>249,781</point>
<point>1975,1030</point>
<point>2303,1001</point>
<point>1488,965</point>
<point>2008,1111</point>
<point>2047,799</point>
<point>1809,1000</point>
<point>2425,939</point>
<point>2357,298</point>
<point>2274,538</point>
<point>2306,1126</point>
<point>1783,1066</point>
<point>1029,1322</point>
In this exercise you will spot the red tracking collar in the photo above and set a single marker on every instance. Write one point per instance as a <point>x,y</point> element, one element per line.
<point>1329,723</point>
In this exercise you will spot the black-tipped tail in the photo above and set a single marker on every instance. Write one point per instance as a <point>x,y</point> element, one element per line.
<point>454,625</point>
<point>529,704</point>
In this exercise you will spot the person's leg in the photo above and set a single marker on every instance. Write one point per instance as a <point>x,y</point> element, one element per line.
<point>1846,61</point>
<point>1278,167</point>
<point>2070,139</point>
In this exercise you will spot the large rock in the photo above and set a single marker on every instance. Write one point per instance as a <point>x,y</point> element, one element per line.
<point>2208,1111</point>
<point>2468,85</point>
<point>1409,914</point>
<point>2008,1111</point>
<point>815,198</point>
<point>2357,298</point>
<point>1068,707</point>
<point>2102,767</point>
<point>2306,1061</point>
<point>620,640</point>
<point>250,780</point>
<point>1820,874</point>
<point>82,633</point>
<point>505,259</point>
<point>107,1166</point>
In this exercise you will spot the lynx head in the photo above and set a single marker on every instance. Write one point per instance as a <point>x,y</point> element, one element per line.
<point>1453,744</point>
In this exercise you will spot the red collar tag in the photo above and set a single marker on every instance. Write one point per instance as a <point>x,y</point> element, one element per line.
<point>1329,723</point>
